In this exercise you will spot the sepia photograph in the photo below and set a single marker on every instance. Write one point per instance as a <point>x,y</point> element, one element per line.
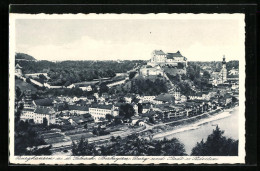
<point>126,88</point>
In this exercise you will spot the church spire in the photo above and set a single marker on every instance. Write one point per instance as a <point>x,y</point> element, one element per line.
<point>224,60</point>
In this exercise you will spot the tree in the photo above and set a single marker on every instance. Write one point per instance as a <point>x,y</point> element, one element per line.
<point>180,65</point>
<point>83,148</point>
<point>216,145</point>
<point>109,117</point>
<point>45,122</point>
<point>132,74</point>
<point>26,136</point>
<point>234,99</point>
<point>28,80</point>
<point>126,110</point>
<point>18,92</point>
<point>132,145</point>
<point>103,88</point>
<point>140,108</point>
<point>206,74</point>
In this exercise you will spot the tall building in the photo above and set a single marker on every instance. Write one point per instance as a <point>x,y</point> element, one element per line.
<point>223,72</point>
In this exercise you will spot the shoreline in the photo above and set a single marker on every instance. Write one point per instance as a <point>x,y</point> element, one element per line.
<point>195,125</point>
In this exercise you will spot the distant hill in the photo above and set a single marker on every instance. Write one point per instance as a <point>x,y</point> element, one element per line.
<point>23,56</point>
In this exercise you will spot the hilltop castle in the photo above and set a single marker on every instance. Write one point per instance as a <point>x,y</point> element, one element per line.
<point>171,59</point>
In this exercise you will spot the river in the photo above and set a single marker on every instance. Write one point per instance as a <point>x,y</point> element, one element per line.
<point>227,121</point>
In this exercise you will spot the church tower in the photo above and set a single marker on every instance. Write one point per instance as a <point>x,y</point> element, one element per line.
<point>224,70</point>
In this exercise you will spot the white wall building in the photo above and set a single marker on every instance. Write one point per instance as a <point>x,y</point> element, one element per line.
<point>39,114</point>
<point>101,111</point>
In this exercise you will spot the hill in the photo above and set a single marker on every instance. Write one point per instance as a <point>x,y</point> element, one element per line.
<point>24,85</point>
<point>24,56</point>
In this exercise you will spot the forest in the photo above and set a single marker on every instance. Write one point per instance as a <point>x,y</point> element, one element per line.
<point>65,73</point>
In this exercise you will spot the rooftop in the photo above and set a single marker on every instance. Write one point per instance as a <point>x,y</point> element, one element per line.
<point>100,106</point>
<point>75,107</point>
<point>44,110</point>
<point>165,98</point>
<point>172,55</point>
<point>159,52</point>
<point>44,102</point>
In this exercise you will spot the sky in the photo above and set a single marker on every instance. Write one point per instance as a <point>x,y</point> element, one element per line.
<point>128,39</point>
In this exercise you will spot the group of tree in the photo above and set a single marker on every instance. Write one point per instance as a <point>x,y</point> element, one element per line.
<point>181,82</point>
<point>65,73</point>
<point>132,145</point>
<point>126,110</point>
<point>216,145</point>
<point>194,74</point>
<point>26,133</point>
<point>148,87</point>
<point>27,136</point>
<point>24,56</point>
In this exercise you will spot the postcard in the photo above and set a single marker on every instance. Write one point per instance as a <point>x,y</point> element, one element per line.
<point>126,88</point>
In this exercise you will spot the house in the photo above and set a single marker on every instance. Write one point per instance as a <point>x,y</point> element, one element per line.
<point>183,98</point>
<point>148,70</point>
<point>77,110</point>
<point>88,88</point>
<point>135,106</point>
<point>146,98</point>
<point>146,107</point>
<point>92,99</point>
<point>135,119</point>
<point>141,123</point>
<point>233,71</point>
<point>177,94</point>
<point>98,111</point>
<point>81,119</point>
<point>71,86</point>
<point>164,98</point>
<point>44,112</point>
<point>128,99</point>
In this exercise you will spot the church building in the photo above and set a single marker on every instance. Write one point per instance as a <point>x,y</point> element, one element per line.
<point>223,72</point>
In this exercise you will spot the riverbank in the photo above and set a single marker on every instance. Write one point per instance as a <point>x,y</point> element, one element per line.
<point>193,125</point>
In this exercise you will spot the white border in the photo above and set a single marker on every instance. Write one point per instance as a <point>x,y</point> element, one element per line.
<point>130,159</point>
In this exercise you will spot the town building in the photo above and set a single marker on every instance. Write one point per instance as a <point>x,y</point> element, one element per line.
<point>220,77</point>
<point>44,112</point>
<point>223,72</point>
<point>77,110</point>
<point>164,98</point>
<point>100,111</point>
<point>88,88</point>
<point>148,70</point>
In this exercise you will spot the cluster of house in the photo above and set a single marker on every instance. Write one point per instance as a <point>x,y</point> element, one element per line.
<point>79,110</point>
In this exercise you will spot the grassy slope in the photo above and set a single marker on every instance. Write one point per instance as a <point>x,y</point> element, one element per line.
<point>24,86</point>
